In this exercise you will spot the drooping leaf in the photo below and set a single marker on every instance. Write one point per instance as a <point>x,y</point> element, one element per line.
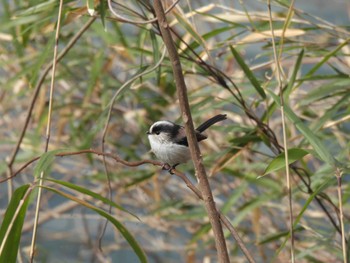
<point>92,194</point>
<point>121,228</point>
<point>45,162</point>
<point>326,184</point>
<point>315,142</point>
<point>12,231</point>
<point>248,73</point>
<point>294,154</point>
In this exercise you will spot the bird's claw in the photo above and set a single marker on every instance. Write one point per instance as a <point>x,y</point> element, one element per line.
<point>168,167</point>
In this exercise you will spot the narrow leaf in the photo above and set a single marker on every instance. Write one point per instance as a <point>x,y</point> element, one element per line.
<point>92,194</point>
<point>292,79</point>
<point>315,142</point>
<point>45,162</point>
<point>102,12</point>
<point>330,55</point>
<point>325,185</point>
<point>122,229</point>
<point>10,247</point>
<point>248,73</point>
<point>294,154</point>
<point>198,38</point>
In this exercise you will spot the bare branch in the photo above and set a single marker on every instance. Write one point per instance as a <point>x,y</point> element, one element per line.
<point>204,186</point>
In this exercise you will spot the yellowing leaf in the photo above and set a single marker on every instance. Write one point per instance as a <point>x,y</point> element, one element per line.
<point>258,36</point>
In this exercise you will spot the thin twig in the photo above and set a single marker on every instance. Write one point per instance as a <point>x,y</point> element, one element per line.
<point>137,22</point>
<point>338,174</point>
<point>110,155</point>
<point>48,130</point>
<point>39,85</point>
<point>104,134</point>
<point>37,89</point>
<point>181,175</point>
<point>220,78</point>
<point>204,186</point>
<point>285,146</point>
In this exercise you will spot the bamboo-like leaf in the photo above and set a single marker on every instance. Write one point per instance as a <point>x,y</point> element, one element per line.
<point>238,193</point>
<point>278,236</point>
<point>292,79</point>
<point>102,12</point>
<point>203,230</point>
<point>122,229</point>
<point>326,184</point>
<point>92,194</point>
<point>294,154</point>
<point>10,248</point>
<point>198,38</point>
<point>45,162</point>
<point>248,73</point>
<point>97,65</point>
<point>326,58</point>
<point>315,142</point>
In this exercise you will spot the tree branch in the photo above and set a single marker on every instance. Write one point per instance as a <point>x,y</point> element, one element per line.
<point>204,186</point>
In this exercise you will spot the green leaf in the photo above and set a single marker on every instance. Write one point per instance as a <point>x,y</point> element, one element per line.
<point>198,38</point>
<point>122,229</point>
<point>315,142</point>
<point>45,162</point>
<point>198,235</point>
<point>248,73</point>
<point>322,187</point>
<point>139,179</point>
<point>102,11</point>
<point>92,194</point>
<point>10,247</point>
<point>97,67</point>
<point>279,235</point>
<point>330,55</point>
<point>37,67</point>
<point>292,79</point>
<point>294,154</point>
<point>236,194</point>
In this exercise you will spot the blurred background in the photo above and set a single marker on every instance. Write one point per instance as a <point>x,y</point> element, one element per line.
<point>312,42</point>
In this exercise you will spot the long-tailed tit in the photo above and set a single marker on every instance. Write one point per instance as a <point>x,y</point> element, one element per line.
<point>169,142</point>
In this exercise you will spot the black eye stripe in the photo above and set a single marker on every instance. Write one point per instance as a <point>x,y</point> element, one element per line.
<point>168,128</point>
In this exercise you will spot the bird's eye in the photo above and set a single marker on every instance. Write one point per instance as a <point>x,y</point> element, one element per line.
<point>157,132</point>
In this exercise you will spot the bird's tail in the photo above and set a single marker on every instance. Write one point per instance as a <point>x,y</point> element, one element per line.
<point>211,121</point>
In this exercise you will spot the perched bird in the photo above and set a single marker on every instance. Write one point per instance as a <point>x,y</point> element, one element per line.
<point>169,142</point>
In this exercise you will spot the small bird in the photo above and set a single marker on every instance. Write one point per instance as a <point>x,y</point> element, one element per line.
<point>169,142</point>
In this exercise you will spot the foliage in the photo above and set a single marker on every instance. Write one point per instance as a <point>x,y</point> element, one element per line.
<point>228,62</point>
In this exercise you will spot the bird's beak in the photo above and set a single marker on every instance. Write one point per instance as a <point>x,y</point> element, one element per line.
<point>148,133</point>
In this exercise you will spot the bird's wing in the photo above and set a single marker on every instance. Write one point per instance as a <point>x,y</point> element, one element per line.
<point>182,139</point>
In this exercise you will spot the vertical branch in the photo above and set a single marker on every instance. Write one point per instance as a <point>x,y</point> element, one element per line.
<point>285,145</point>
<point>48,130</point>
<point>192,140</point>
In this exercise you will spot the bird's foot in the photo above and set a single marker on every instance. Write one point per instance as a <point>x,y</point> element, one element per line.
<point>166,167</point>
<point>169,168</point>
